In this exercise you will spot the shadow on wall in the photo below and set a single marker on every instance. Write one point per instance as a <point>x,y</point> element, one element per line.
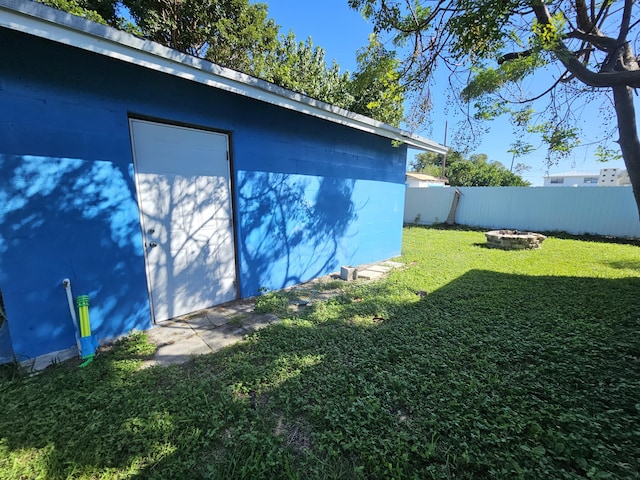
<point>191,261</point>
<point>292,227</point>
<point>68,218</point>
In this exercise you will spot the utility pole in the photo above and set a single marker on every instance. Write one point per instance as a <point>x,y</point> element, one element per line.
<point>444,158</point>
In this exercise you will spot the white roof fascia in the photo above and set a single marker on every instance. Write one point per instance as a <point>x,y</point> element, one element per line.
<point>61,27</point>
<point>572,174</point>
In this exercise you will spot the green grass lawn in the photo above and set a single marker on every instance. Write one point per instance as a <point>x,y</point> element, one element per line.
<point>520,364</point>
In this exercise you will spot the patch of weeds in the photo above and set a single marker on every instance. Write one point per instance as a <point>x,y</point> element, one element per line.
<point>329,285</point>
<point>12,371</point>
<point>273,302</point>
<point>237,320</point>
<point>295,435</point>
<point>134,346</point>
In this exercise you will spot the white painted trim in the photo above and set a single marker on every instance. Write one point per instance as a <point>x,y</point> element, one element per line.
<point>45,22</point>
<point>43,361</point>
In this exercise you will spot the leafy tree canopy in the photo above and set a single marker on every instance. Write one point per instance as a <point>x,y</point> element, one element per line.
<point>82,8</point>
<point>239,35</point>
<point>373,90</point>
<point>476,171</point>
<point>302,67</point>
<point>506,56</point>
<point>228,32</point>
<point>376,87</point>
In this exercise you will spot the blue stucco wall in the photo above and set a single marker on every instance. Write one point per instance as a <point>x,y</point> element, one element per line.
<point>309,195</point>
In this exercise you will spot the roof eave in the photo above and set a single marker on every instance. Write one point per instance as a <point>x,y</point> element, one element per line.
<point>61,27</point>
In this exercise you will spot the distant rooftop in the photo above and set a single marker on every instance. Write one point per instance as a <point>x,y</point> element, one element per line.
<point>424,177</point>
<point>573,173</point>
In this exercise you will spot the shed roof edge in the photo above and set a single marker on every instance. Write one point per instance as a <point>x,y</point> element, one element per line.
<point>61,27</point>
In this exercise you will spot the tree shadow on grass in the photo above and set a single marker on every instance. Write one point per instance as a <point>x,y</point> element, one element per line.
<point>625,265</point>
<point>493,375</point>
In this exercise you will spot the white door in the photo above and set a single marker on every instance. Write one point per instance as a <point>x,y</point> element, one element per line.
<point>183,183</point>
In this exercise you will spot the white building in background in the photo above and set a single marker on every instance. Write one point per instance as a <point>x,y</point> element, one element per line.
<point>571,179</point>
<point>422,180</point>
<point>608,177</point>
<point>613,177</point>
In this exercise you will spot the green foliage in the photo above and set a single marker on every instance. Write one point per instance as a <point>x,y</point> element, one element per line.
<point>548,36</point>
<point>244,38</point>
<point>376,86</point>
<point>480,31</point>
<point>604,154</point>
<point>521,118</point>
<point>486,84</point>
<point>427,162</point>
<point>518,364</point>
<point>374,90</point>
<point>477,171</point>
<point>520,148</point>
<point>500,55</point>
<point>302,67</point>
<point>229,32</point>
<point>80,8</point>
<point>239,35</point>
<point>489,80</point>
<point>273,302</point>
<point>559,138</point>
<point>474,174</point>
<point>232,33</point>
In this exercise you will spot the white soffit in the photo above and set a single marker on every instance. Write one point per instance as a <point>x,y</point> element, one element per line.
<point>45,22</point>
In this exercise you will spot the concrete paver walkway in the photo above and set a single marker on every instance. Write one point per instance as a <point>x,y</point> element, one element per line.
<point>210,330</point>
<point>206,331</point>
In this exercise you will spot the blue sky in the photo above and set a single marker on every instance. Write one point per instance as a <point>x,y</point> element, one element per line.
<point>341,31</point>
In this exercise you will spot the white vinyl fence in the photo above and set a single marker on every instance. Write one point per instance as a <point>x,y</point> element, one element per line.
<point>593,210</point>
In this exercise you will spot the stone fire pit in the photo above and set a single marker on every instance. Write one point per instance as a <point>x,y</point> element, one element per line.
<point>514,239</point>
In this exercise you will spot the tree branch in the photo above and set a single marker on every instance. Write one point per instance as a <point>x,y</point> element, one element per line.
<point>584,22</point>
<point>442,6</point>
<point>560,80</point>
<point>634,24</point>
<point>630,78</point>
<point>606,44</point>
<point>626,20</point>
<point>622,58</point>
<point>507,57</point>
<point>603,13</point>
